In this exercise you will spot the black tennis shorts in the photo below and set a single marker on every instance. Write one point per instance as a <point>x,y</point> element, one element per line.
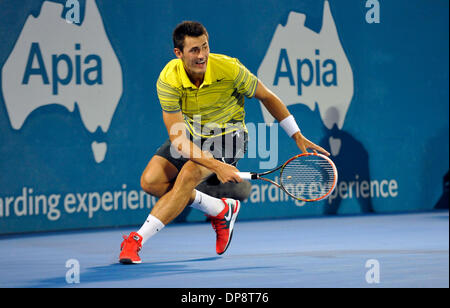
<point>228,148</point>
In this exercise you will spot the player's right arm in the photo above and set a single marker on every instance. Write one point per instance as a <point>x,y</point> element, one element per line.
<point>176,128</point>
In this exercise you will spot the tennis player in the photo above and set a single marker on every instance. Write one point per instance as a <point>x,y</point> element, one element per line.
<point>202,99</point>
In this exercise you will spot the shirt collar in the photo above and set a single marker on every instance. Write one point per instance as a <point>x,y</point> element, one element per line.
<point>187,82</point>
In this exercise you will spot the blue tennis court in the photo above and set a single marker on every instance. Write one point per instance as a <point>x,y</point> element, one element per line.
<point>409,250</point>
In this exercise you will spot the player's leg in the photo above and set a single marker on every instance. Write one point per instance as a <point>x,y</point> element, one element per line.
<point>163,212</point>
<point>182,193</point>
<point>158,176</point>
<point>157,179</point>
<point>223,212</point>
<point>228,148</point>
<point>161,171</point>
<point>172,204</point>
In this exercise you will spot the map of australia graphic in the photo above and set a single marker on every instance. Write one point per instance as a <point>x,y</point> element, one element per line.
<point>305,67</point>
<point>56,62</point>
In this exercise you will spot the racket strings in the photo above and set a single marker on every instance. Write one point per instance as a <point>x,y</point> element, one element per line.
<point>308,177</point>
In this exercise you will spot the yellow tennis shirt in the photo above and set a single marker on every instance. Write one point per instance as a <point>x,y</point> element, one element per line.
<point>217,106</point>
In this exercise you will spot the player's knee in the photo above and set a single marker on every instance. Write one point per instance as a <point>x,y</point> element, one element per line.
<point>190,176</point>
<point>149,184</point>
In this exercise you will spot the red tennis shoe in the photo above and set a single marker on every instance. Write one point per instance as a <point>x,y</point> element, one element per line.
<point>129,249</point>
<point>223,224</point>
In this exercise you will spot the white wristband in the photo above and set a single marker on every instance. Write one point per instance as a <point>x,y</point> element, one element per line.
<point>290,125</point>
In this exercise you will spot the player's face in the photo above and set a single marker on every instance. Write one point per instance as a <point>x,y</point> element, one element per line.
<point>195,55</point>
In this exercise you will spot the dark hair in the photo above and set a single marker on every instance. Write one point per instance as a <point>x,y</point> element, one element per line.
<point>187,28</point>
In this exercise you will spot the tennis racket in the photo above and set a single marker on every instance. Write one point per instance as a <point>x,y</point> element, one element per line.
<point>305,177</point>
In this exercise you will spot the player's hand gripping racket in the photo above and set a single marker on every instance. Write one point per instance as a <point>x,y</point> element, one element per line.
<point>305,177</point>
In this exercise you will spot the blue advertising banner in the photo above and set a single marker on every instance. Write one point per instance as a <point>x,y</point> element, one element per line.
<point>80,117</point>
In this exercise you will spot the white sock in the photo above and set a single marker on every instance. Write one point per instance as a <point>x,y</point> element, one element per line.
<point>150,227</point>
<point>207,204</point>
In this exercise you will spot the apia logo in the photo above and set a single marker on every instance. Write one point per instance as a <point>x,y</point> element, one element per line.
<point>313,71</point>
<point>91,75</point>
<point>56,62</point>
<point>305,67</point>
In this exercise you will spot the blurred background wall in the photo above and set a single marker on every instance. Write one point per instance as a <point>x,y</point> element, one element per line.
<point>80,118</point>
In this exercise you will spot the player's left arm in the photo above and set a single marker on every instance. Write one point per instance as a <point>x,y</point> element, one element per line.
<point>279,111</point>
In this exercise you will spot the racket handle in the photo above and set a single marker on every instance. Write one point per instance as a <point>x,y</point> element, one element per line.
<point>245,175</point>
